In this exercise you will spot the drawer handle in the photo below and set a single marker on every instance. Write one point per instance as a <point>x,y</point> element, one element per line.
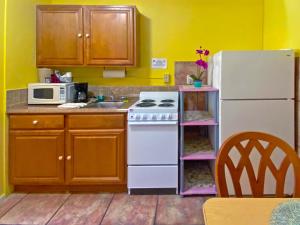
<point>35,122</point>
<point>60,158</point>
<point>68,157</point>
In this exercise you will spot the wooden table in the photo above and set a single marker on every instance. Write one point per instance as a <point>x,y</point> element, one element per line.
<point>239,211</point>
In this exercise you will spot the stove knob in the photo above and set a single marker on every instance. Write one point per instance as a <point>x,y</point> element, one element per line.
<point>137,117</point>
<point>144,117</point>
<point>169,116</point>
<point>163,116</point>
<point>154,117</point>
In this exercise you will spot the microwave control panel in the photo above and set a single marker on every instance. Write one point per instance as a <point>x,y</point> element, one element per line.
<point>62,94</point>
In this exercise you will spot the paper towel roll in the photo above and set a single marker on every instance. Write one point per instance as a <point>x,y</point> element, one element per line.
<point>44,74</point>
<point>114,73</point>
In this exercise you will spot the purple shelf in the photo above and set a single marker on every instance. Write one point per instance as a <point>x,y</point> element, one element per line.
<point>199,191</point>
<point>199,123</point>
<point>191,88</point>
<point>199,156</point>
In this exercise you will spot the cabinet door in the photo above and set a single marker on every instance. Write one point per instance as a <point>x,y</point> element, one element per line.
<point>59,35</point>
<point>110,35</point>
<point>95,157</point>
<point>36,157</point>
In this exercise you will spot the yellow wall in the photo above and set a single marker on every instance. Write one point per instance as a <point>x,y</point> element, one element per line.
<point>281,24</point>
<point>17,61</point>
<point>2,96</point>
<point>20,43</point>
<point>173,29</point>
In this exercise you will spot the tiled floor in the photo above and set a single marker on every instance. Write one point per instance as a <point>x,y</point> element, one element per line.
<point>104,209</point>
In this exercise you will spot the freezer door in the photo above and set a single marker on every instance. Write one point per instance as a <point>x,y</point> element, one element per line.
<point>275,117</point>
<point>254,74</point>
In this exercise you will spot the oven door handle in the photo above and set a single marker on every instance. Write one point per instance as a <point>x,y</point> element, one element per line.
<point>153,123</point>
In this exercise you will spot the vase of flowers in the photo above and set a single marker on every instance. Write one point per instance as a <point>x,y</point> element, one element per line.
<point>202,66</point>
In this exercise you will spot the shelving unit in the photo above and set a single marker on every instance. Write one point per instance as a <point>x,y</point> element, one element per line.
<point>198,143</point>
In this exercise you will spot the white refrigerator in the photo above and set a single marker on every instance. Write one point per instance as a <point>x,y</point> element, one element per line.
<point>256,93</point>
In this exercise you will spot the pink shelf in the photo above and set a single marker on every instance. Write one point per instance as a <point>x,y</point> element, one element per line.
<point>199,156</point>
<point>198,148</point>
<point>191,88</point>
<point>199,191</point>
<point>199,123</point>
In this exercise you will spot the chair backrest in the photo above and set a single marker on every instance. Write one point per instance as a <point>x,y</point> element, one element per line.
<point>265,144</point>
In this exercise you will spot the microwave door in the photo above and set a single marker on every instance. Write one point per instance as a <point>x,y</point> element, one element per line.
<point>45,95</point>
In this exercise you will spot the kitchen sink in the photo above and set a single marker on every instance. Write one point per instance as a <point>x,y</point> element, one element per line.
<point>106,104</point>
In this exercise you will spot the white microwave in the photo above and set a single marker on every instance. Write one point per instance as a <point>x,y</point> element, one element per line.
<point>50,93</point>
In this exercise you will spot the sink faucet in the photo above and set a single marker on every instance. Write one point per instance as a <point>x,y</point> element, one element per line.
<point>112,98</point>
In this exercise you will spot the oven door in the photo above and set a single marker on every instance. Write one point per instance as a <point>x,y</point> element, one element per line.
<point>152,143</point>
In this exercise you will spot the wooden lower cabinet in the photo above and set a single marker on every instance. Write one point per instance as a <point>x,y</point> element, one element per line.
<point>95,157</point>
<point>36,157</point>
<point>67,152</point>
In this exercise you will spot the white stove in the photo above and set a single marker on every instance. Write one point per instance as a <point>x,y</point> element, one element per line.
<point>153,141</point>
<point>155,107</point>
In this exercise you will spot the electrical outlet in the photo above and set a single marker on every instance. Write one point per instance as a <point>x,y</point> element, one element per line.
<point>159,63</point>
<point>167,78</point>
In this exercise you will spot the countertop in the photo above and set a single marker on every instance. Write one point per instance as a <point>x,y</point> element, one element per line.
<point>52,109</point>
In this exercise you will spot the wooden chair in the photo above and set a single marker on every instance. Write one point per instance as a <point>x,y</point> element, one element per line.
<point>255,140</point>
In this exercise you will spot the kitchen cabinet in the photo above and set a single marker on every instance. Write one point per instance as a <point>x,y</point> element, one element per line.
<point>59,35</point>
<point>95,149</point>
<point>95,157</point>
<point>68,151</point>
<point>110,35</point>
<point>36,157</point>
<point>36,147</point>
<point>86,35</point>
<point>198,142</point>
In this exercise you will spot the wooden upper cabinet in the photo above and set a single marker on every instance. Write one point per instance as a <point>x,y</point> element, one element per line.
<point>86,35</point>
<point>59,35</point>
<point>110,35</point>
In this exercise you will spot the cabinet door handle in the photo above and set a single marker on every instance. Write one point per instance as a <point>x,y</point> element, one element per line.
<point>35,122</point>
<point>87,35</point>
<point>69,157</point>
<point>60,157</point>
<point>79,35</point>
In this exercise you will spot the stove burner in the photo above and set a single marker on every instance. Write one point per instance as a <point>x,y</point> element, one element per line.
<point>148,100</point>
<point>166,105</point>
<point>146,104</point>
<point>168,100</point>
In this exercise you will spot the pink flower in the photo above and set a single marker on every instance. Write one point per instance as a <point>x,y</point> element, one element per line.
<point>202,63</point>
<point>199,51</point>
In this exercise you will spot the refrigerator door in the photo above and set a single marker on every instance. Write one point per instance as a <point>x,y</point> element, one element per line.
<point>275,117</point>
<point>254,74</point>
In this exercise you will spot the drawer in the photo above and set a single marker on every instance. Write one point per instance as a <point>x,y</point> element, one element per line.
<point>36,122</point>
<point>153,176</point>
<point>105,121</point>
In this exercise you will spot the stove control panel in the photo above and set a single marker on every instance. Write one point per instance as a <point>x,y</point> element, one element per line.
<point>152,116</point>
